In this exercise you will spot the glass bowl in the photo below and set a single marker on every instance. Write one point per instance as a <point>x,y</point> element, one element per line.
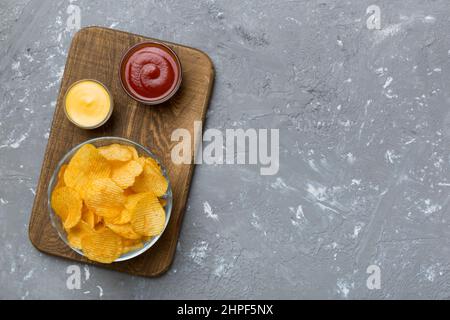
<point>100,142</point>
<point>125,84</point>
<point>108,116</point>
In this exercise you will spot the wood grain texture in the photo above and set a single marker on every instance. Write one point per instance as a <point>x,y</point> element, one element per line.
<point>95,53</point>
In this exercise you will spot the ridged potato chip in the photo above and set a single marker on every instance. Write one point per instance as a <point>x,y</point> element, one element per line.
<point>128,192</point>
<point>131,245</point>
<point>123,218</point>
<point>126,214</point>
<point>87,164</point>
<point>98,220</point>
<point>101,226</point>
<point>89,217</point>
<point>133,199</point>
<point>104,198</point>
<point>151,180</point>
<point>103,246</point>
<point>61,173</point>
<point>153,164</point>
<point>116,152</point>
<point>148,217</point>
<point>67,204</point>
<point>77,233</point>
<point>134,153</point>
<point>125,175</point>
<point>124,230</point>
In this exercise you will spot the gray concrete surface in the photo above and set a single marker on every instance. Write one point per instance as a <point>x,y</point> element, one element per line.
<point>364,123</point>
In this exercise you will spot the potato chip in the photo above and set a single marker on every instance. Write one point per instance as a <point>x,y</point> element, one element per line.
<point>124,175</point>
<point>77,233</point>
<point>148,217</point>
<point>163,202</point>
<point>97,220</point>
<point>126,214</point>
<point>123,218</point>
<point>132,200</point>
<point>151,181</point>
<point>88,216</point>
<point>124,230</point>
<point>67,204</point>
<point>128,192</point>
<point>103,246</point>
<point>131,245</point>
<point>61,173</point>
<point>154,165</point>
<point>134,153</point>
<point>141,161</point>
<point>104,198</point>
<point>87,164</point>
<point>101,226</point>
<point>116,152</point>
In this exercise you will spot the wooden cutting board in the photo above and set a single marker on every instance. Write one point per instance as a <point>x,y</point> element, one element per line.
<point>95,53</point>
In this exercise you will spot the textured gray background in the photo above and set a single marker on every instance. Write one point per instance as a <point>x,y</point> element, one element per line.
<point>365,127</point>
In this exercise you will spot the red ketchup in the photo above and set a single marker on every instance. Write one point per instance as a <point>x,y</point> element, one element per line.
<point>151,73</point>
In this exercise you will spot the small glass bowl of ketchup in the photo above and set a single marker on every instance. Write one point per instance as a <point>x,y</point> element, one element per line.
<point>150,73</point>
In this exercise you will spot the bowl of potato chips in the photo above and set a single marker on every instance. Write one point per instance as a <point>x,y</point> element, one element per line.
<point>110,199</point>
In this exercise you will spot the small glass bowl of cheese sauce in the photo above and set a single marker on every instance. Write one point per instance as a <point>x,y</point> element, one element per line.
<point>88,104</point>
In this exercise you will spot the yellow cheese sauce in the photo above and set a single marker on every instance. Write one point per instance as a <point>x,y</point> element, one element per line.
<point>88,104</point>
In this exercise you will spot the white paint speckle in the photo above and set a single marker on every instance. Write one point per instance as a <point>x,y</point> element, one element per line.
<point>87,273</point>
<point>100,291</point>
<point>444,184</point>
<point>390,156</point>
<point>351,158</point>
<point>222,267</point>
<point>15,65</point>
<point>297,22</point>
<point>317,191</point>
<point>16,144</point>
<point>255,223</point>
<point>431,273</point>
<point>380,71</point>
<point>344,287</point>
<point>299,216</point>
<point>356,231</point>
<point>209,212</point>
<point>431,208</point>
<point>388,82</point>
<point>279,184</point>
<point>28,275</point>
<point>429,19</point>
<point>27,293</point>
<point>313,166</point>
<point>199,252</point>
<point>13,268</point>
<point>28,57</point>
